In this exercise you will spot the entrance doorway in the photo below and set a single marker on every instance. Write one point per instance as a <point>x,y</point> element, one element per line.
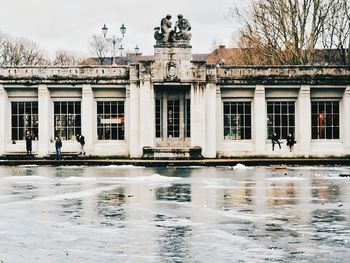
<point>173,116</point>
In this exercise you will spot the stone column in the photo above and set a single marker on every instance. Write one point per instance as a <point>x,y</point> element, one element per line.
<point>198,125</point>
<point>4,104</point>
<point>345,132</point>
<point>219,118</point>
<point>210,121</point>
<point>88,112</point>
<point>134,121</point>
<point>259,119</point>
<point>303,121</point>
<point>147,114</point>
<point>44,101</point>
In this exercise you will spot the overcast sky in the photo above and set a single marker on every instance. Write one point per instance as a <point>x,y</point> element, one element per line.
<point>69,24</point>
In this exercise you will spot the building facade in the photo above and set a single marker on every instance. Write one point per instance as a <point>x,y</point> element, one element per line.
<point>174,102</point>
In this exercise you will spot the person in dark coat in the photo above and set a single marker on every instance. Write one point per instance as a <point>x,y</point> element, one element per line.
<point>290,141</point>
<point>81,140</point>
<point>58,146</point>
<point>275,140</point>
<point>29,139</point>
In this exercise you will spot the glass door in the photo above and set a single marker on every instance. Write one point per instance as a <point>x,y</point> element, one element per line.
<point>173,118</point>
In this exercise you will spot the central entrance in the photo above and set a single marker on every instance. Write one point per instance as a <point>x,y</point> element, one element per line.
<point>173,119</point>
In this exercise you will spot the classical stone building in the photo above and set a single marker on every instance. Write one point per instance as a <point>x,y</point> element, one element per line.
<point>173,102</point>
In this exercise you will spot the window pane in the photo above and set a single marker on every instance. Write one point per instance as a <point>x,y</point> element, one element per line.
<point>64,108</point>
<point>14,107</point>
<point>34,108</point>
<point>77,106</point>
<point>269,108</point>
<point>226,108</point>
<point>28,108</point>
<point>336,107</point>
<point>71,107</point>
<point>336,133</point>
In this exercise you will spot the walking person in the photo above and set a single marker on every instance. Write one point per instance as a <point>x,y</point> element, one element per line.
<point>275,140</point>
<point>81,140</point>
<point>29,139</point>
<point>291,141</point>
<point>58,145</point>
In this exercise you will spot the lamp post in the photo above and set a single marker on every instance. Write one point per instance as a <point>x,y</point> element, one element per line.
<point>114,40</point>
<point>137,49</point>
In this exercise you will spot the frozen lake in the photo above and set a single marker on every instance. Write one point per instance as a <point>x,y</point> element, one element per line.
<point>198,214</point>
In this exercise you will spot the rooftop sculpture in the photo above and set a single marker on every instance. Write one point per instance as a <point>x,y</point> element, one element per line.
<point>180,33</point>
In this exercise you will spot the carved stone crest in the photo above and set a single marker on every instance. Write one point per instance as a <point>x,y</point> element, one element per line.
<point>171,71</point>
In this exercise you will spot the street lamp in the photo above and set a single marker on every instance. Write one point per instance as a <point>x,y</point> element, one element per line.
<point>114,40</point>
<point>137,49</point>
<point>121,49</point>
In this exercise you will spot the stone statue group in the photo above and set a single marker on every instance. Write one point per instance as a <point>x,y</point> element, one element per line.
<point>181,30</point>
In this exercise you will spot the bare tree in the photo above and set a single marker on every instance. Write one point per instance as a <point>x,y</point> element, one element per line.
<point>100,47</point>
<point>20,52</point>
<point>289,31</point>
<point>336,32</point>
<point>66,58</point>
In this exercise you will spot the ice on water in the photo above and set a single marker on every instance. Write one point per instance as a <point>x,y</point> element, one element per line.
<point>207,214</point>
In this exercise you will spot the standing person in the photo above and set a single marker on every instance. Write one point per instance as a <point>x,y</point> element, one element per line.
<point>81,139</point>
<point>29,139</point>
<point>275,140</point>
<point>58,145</point>
<point>290,141</point>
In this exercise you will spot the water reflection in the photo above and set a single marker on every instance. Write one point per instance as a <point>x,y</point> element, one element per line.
<point>110,206</point>
<point>176,192</point>
<point>281,194</point>
<point>173,238</point>
<point>325,191</point>
<point>130,214</point>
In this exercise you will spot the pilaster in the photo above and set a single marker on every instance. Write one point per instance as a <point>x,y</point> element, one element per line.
<point>87,117</point>
<point>147,114</point>
<point>303,121</point>
<point>198,125</point>
<point>345,132</point>
<point>44,101</point>
<point>134,121</point>
<point>3,116</point>
<point>219,117</point>
<point>259,119</point>
<point>210,122</point>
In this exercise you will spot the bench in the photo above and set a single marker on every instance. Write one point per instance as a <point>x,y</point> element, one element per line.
<point>171,153</point>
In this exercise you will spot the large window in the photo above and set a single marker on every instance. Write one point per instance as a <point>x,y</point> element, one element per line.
<point>24,117</point>
<point>188,118</point>
<point>67,119</point>
<point>237,121</point>
<point>325,119</point>
<point>280,118</point>
<point>158,118</point>
<point>110,120</point>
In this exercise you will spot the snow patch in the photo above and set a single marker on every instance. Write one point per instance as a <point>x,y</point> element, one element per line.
<point>75,195</point>
<point>79,179</point>
<point>286,178</point>
<point>121,167</point>
<point>26,178</point>
<point>240,166</point>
